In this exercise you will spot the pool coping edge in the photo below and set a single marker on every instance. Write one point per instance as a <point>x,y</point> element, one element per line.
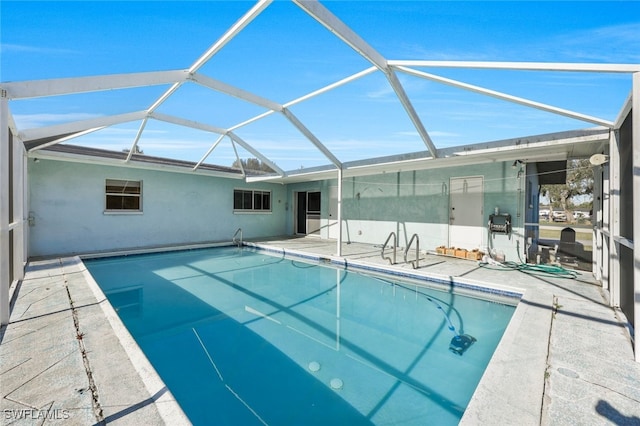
<point>168,407</point>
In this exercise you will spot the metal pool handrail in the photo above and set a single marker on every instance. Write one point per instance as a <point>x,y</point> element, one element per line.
<point>395,241</point>
<point>414,263</point>
<point>239,244</point>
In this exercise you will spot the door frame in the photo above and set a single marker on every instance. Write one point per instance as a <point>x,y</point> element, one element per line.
<point>301,208</point>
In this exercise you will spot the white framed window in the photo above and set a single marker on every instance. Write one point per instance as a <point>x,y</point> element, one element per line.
<point>123,195</point>
<point>247,200</point>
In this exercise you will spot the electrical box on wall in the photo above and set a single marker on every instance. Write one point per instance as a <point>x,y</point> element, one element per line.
<point>500,223</point>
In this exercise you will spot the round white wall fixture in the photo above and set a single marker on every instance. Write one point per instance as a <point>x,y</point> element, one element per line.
<point>314,366</point>
<point>598,159</point>
<point>336,383</point>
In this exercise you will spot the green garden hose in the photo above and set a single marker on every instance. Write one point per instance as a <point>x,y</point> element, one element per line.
<point>551,270</point>
<point>527,268</point>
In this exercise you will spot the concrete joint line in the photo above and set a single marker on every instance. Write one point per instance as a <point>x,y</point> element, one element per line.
<point>15,366</point>
<point>35,376</point>
<point>32,303</point>
<point>610,390</point>
<point>547,370</point>
<point>26,404</point>
<point>95,401</point>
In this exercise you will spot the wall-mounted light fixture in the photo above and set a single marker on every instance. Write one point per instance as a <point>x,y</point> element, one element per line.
<point>516,164</point>
<point>598,159</point>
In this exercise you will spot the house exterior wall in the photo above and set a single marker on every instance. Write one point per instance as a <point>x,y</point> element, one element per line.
<point>418,202</point>
<point>67,202</point>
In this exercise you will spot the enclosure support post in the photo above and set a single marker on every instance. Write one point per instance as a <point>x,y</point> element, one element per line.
<point>635,124</point>
<point>18,216</point>
<point>606,236</point>
<point>596,220</point>
<point>339,242</point>
<point>5,275</point>
<point>614,218</point>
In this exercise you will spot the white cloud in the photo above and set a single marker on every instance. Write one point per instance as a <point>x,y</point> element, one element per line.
<point>411,133</point>
<point>418,51</point>
<point>610,44</point>
<point>31,121</point>
<point>115,131</point>
<point>441,134</point>
<point>615,43</point>
<point>381,92</point>
<point>435,133</point>
<point>409,84</point>
<point>21,48</point>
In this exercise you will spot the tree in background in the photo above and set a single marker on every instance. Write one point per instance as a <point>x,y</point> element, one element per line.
<point>253,164</point>
<point>579,186</point>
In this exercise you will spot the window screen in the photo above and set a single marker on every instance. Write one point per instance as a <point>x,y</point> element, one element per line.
<point>123,195</point>
<point>249,200</point>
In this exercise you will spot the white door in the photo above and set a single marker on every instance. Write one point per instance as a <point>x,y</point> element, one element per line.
<point>466,217</point>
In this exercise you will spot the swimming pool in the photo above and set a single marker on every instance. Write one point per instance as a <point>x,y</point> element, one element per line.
<point>245,337</point>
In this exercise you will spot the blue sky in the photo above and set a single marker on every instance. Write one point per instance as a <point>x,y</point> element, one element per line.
<point>284,54</point>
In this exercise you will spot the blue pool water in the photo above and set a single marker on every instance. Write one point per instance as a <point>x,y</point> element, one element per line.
<point>242,337</point>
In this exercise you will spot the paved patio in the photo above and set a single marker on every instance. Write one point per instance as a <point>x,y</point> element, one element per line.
<point>565,358</point>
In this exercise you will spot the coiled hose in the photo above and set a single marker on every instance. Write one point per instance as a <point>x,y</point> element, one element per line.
<point>527,268</point>
<point>551,270</point>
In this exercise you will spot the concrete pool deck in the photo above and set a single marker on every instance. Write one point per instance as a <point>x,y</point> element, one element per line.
<point>65,361</point>
<point>565,358</point>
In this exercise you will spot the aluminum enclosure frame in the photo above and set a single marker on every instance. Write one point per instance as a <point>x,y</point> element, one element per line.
<point>14,141</point>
